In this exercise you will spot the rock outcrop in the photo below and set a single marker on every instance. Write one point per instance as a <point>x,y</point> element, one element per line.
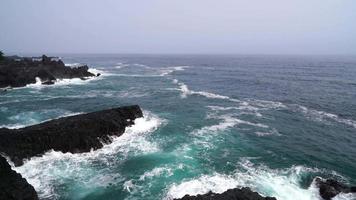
<point>231,194</point>
<point>79,133</point>
<point>329,188</point>
<point>12,185</point>
<point>18,71</point>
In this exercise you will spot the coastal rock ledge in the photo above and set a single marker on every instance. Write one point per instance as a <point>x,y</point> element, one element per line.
<point>19,71</point>
<point>13,186</point>
<point>75,134</point>
<point>244,193</point>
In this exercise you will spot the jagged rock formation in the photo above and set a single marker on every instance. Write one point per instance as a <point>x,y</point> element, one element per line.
<point>18,71</point>
<point>231,194</point>
<point>79,133</point>
<point>329,188</point>
<point>12,185</point>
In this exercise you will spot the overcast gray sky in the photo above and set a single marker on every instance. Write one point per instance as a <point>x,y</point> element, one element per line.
<point>179,26</point>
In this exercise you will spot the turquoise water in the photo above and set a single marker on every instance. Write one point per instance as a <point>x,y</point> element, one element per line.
<point>272,123</point>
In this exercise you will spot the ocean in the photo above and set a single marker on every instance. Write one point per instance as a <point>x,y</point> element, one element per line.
<point>211,122</point>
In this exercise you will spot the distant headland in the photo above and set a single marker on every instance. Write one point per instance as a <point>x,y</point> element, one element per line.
<point>16,71</point>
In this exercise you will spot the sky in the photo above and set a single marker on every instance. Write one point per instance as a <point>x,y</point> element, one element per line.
<point>178,26</point>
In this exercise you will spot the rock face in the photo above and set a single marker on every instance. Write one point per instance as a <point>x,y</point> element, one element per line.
<point>12,185</point>
<point>18,72</point>
<point>330,188</point>
<point>74,134</point>
<point>231,194</point>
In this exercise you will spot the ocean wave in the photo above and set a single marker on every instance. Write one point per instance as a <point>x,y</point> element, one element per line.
<point>267,133</point>
<point>217,183</point>
<point>282,184</point>
<point>169,70</point>
<point>158,171</point>
<point>24,119</point>
<point>227,121</point>
<point>185,91</point>
<point>324,116</point>
<point>67,81</point>
<point>56,168</point>
<point>120,65</point>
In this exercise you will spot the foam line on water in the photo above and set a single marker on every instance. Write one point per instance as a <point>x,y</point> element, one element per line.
<point>185,91</point>
<point>324,116</point>
<point>56,168</point>
<point>282,184</point>
<point>169,70</point>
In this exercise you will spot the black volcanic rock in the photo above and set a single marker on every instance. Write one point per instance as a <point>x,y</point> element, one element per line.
<point>18,71</point>
<point>12,185</point>
<point>329,188</point>
<point>231,194</point>
<point>74,134</point>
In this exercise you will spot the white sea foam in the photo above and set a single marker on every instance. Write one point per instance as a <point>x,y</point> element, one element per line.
<point>158,171</point>
<point>185,91</point>
<point>68,81</point>
<point>120,65</point>
<point>264,104</point>
<point>343,196</point>
<point>227,121</point>
<point>282,184</point>
<point>245,109</point>
<point>323,116</point>
<point>169,70</point>
<point>267,133</point>
<point>217,183</point>
<point>56,167</point>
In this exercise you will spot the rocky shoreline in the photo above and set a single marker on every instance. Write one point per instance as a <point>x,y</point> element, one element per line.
<point>328,189</point>
<point>231,194</point>
<point>12,185</point>
<point>75,134</point>
<point>20,71</point>
<point>84,132</point>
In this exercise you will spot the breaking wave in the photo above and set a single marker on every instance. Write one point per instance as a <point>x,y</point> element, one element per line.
<point>227,121</point>
<point>54,168</point>
<point>282,183</point>
<point>169,70</point>
<point>67,81</point>
<point>185,91</point>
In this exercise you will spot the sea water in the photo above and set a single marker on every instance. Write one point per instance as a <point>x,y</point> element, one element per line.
<point>211,122</point>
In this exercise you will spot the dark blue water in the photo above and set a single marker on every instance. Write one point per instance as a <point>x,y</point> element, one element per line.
<point>272,123</point>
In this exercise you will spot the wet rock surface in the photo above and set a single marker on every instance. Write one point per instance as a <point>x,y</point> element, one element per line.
<point>231,194</point>
<point>12,185</point>
<point>75,134</point>
<point>329,188</point>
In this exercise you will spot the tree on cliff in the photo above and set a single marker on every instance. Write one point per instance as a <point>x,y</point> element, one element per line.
<point>1,55</point>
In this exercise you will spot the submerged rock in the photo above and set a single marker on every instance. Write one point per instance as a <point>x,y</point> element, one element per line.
<point>79,133</point>
<point>18,72</point>
<point>12,185</point>
<point>231,194</point>
<point>329,188</point>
